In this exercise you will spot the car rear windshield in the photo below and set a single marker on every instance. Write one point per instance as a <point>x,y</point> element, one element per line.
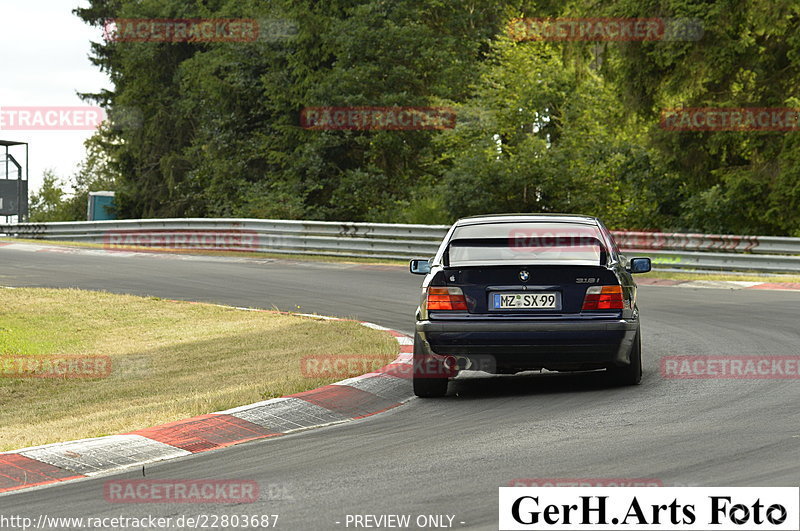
<point>525,243</point>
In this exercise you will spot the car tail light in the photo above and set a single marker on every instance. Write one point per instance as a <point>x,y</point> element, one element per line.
<point>446,299</point>
<point>603,298</point>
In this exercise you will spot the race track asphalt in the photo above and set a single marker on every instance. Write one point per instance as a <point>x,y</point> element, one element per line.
<point>448,456</point>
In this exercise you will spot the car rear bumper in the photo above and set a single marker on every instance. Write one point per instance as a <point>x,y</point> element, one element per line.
<point>579,344</point>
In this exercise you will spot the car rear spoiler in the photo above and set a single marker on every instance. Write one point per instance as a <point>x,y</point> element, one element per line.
<point>529,243</point>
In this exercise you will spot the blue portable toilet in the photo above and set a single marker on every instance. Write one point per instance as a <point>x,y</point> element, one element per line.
<point>101,206</point>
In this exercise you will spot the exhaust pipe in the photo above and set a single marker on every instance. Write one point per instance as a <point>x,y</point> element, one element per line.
<point>457,363</point>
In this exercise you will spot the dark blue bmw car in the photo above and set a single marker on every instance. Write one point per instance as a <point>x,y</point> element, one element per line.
<point>518,292</point>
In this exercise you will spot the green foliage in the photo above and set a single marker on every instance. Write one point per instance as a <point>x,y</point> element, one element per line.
<point>49,203</point>
<point>545,134</point>
<point>95,173</point>
<point>212,129</point>
<point>734,182</point>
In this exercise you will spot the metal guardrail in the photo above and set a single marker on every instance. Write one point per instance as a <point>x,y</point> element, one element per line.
<point>376,240</point>
<point>722,252</point>
<point>397,241</point>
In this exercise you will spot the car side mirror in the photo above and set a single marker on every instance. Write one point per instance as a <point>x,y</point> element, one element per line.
<point>639,265</point>
<point>420,267</point>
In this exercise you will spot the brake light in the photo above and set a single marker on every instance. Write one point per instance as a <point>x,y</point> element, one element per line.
<point>603,298</point>
<point>446,299</point>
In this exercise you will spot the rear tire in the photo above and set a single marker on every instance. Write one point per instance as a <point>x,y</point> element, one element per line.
<point>425,385</point>
<point>630,374</point>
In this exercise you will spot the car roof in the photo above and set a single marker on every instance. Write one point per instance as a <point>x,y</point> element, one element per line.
<point>528,218</point>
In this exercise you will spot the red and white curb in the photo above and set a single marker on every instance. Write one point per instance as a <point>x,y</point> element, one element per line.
<point>339,402</point>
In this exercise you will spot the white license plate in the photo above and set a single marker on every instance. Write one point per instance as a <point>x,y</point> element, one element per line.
<point>539,300</point>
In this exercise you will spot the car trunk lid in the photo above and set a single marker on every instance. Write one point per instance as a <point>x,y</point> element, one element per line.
<point>517,290</point>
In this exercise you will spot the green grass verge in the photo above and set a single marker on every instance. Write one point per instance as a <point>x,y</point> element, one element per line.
<point>170,360</point>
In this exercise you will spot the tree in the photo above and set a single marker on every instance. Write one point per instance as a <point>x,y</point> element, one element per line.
<point>747,56</point>
<point>219,131</point>
<point>545,132</point>
<point>95,173</point>
<point>49,203</point>
<point>212,129</point>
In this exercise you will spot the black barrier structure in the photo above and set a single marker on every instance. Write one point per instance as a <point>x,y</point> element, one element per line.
<point>13,192</point>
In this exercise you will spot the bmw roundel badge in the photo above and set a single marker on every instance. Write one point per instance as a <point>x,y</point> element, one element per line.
<point>524,275</point>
